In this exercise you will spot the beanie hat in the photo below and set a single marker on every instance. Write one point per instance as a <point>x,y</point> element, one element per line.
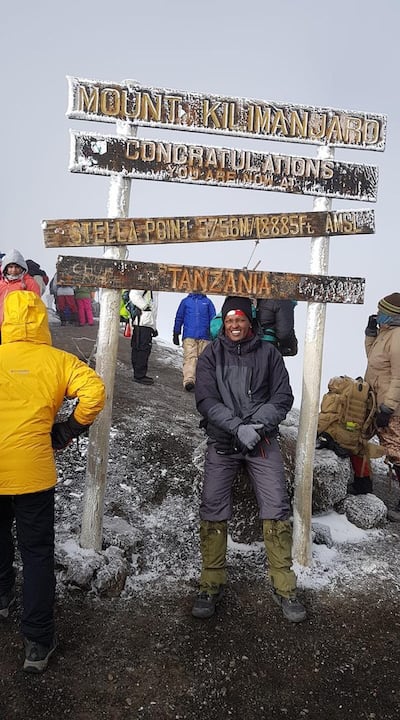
<point>239,303</point>
<point>390,305</point>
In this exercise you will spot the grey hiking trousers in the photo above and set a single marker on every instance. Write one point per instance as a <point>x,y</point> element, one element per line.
<point>267,476</point>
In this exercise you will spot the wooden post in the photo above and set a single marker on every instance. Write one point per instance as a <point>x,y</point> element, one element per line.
<point>308,422</point>
<point>106,361</point>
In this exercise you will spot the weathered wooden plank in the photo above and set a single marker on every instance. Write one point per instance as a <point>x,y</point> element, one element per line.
<point>242,117</point>
<point>120,274</point>
<point>188,229</point>
<point>226,167</point>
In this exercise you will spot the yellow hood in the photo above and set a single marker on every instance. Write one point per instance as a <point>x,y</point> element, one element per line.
<point>25,319</point>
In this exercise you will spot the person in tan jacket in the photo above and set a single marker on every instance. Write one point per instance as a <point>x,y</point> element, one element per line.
<point>34,379</point>
<point>382,345</point>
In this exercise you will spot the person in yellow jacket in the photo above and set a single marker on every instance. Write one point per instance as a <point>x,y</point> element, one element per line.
<point>34,379</point>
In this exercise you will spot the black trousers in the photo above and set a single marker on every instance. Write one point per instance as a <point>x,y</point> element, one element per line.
<point>34,517</point>
<point>141,342</point>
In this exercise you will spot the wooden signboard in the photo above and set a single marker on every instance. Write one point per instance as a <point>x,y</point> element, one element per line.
<point>242,117</point>
<point>121,274</point>
<point>226,167</point>
<point>163,230</point>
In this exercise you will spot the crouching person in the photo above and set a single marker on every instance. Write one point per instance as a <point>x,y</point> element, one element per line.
<point>243,393</point>
<point>34,378</point>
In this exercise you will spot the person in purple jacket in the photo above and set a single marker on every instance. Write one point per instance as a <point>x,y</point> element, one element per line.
<point>194,315</point>
<point>243,393</point>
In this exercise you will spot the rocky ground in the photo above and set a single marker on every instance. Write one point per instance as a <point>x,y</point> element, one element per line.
<point>140,654</point>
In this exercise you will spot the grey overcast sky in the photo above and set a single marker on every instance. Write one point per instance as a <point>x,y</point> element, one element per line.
<point>343,55</point>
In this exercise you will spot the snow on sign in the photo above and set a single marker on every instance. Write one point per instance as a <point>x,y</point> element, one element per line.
<point>174,109</point>
<point>226,167</point>
<point>163,230</point>
<point>120,274</point>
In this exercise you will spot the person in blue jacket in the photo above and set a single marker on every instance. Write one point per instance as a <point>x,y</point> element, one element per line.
<point>194,316</point>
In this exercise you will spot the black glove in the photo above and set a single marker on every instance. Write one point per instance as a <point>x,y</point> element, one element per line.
<point>372,328</point>
<point>155,333</point>
<point>175,339</point>
<point>383,416</point>
<point>62,433</point>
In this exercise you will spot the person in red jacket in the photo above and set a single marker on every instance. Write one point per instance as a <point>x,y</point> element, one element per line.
<point>15,277</point>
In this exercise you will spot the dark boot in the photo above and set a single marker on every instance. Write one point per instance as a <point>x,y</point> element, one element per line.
<point>361,486</point>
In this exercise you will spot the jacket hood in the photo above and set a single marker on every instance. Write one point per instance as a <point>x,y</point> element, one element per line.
<point>13,256</point>
<point>25,319</point>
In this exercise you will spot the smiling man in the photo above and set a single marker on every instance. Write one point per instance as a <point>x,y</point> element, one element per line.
<point>243,393</point>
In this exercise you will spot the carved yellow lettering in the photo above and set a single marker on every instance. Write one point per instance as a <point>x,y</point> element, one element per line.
<point>334,131</point>
<point>349,223</point>
<point>132,149</point>
<point>244,284</point>
<point>76,230</point>
<point>200,280</point>
<point>298,125</point>
<point>263,285</point>
<point>174,270</point>
<point>230,283</point>
<point>371,132</point>
<point>278,125</point>
<point>110,102</point>
<point>88,102</point>
<point>151,110</point>
<point>260,119</point>
<point>327,168</point>
<point>131,105</point>
<point>215,281</point>
<point>317,125</point>
<point>210,117</point>
<point>132,234</point>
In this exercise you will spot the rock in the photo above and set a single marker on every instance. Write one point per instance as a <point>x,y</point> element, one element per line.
<point>365,511</point>
<point>321,534</point>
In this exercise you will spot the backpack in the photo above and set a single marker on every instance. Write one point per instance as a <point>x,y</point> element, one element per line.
<point>133,310</point>
<point>346,419</point>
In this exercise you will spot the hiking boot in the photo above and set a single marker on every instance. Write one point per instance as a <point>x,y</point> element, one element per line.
<point>146,380</point>
<point>6,600</point>
<point>291,607</point>
<point>205,604</point>
<point>37,655</point>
